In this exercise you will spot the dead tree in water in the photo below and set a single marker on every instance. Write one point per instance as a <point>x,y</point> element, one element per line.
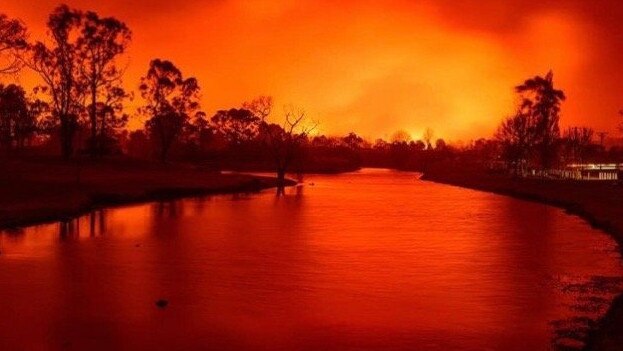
<point>285,141</point>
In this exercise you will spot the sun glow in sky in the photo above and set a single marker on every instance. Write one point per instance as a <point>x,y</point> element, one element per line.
<point>375,67</point>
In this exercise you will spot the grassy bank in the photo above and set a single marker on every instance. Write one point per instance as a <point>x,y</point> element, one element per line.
<point>600,203</point>
<point>47,189</point>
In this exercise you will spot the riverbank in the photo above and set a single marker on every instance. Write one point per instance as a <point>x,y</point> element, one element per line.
<point>48,189</point>
<point>600,203</point>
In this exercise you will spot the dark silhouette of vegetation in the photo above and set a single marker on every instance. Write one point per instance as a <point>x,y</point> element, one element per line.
<point>100,42</point>
<point>543,103</point>
<point>80,106</point>
<point>578,142</point>
<point>18,117</point>
<point>285,141</point>
<point>237,126</point>
<point>170,102</point>
<point>57,65</point>
<point>12,39</point>
<point>516,138</point>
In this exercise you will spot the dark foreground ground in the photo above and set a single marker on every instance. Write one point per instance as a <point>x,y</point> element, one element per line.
<point>600,203</point>
<point>47,189</point>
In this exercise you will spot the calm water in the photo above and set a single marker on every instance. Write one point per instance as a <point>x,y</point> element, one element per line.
<point>369,260</point>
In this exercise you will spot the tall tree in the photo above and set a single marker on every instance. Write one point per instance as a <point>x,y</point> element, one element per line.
<point>170,101</point>
<point>102,40</point>
<point>110,117</point>
<point>57,65</point>
<point>12,39</point>
<point>545,109</point>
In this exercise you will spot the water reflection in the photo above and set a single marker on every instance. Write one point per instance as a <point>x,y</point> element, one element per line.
<point>373,260</point>
<point>93,224</point>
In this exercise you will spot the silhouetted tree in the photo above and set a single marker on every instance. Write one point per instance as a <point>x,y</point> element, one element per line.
<point>400,136</point>
<point>545,101</point>
<point>577,141</point>
<point>110,118</point>
<point>203,133</point>
<point>170,101</point>
<point>13,114</point>
<point>419,145</point>
<point>353,141</point>
<point>380,144</point>
<point>12,39</point>
<point>238,126</point>
<point>516,136</point>
<point>285,141</point>
<point>440,145</point>
<point>18,116</point>
<point>428,138</point>
<point>101,41</point>
<point>602,138</point>
<point>261,107</point>
<point>57,65</point>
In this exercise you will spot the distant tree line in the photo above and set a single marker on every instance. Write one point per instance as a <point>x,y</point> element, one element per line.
<point>79,108</point>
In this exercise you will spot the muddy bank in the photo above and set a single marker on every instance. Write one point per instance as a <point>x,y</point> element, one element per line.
<point>50,190</point>
<point>599,203</point>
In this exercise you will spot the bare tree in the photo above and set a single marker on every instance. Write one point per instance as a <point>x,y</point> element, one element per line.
<point>578,141</point>
<point>12,39</point>
<point>261,107</point>
<point>602,138</point>
<point>285,141</point>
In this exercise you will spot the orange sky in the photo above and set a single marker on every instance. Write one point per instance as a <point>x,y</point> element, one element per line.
<point>377,66</point>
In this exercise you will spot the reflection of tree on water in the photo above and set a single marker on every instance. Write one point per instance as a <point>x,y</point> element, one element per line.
<point>69,230</point>
<point>167,209</point>
<point>95,224</point>
<point>296,191</point>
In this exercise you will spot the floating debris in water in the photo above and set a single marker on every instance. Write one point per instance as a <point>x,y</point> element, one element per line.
<point>162,303</point>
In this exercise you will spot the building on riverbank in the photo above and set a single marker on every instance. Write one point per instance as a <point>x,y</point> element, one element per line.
<point>590,171</point>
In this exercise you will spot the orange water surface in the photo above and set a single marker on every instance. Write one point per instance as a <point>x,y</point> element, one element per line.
<point>371,260</point>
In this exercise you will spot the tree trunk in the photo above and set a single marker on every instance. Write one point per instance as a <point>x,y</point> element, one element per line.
<point>66,138</point>
<point>94,140</point>
<point>281,177</point>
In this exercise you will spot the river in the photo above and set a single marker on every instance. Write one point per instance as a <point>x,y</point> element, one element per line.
<point>371,260</point>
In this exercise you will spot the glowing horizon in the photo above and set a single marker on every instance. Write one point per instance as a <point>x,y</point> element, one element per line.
<point>373,68</point>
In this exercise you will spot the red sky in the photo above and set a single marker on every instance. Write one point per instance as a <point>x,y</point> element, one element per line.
<point>375,67</point>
